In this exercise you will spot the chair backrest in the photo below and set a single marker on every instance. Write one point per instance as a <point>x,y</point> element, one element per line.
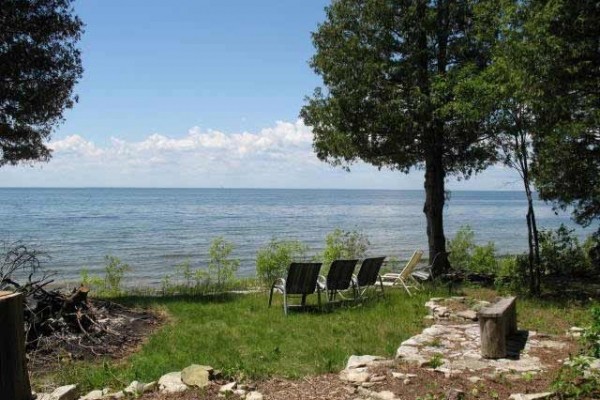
<point>411,264</point>
<point>302,278</point>
<point>340,274</point>
<point>369,270</point>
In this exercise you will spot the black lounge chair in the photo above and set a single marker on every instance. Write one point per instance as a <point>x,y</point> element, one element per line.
<point>368,276</point>
<point>339,279</point>
<point>301,280</point>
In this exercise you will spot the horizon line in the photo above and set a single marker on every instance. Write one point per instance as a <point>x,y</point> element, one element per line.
<point>245,188</point>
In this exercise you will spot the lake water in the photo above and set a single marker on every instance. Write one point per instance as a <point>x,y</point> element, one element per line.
<point>155,229</point>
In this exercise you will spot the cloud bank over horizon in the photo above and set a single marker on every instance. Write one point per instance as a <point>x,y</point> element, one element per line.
<point>279,156</point>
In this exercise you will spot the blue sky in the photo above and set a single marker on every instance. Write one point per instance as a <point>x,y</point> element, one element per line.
<point>200,93</point>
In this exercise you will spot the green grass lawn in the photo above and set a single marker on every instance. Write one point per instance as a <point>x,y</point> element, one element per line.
<point>239,335</point>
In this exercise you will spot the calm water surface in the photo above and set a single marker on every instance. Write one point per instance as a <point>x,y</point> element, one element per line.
<point>155,229</point>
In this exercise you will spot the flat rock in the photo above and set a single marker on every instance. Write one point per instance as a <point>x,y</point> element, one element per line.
<point>361,361</point>
<point>68,392</point>
<point>455,394</point>
<point>228,388</point>
<point>134,388</point>
<point>171,383</point>
<point>531,396</point>
<point>196,375</point>
<point>93,395</point>
<point>254,396</point>
<point>468,314</point>
<point>355,376</point>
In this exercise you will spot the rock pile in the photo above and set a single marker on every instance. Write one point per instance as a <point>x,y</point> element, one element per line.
<point>194,376</point>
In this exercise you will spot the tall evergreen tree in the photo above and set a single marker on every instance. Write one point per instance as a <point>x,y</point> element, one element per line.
<point>39,66</point>
<point>397,75</point>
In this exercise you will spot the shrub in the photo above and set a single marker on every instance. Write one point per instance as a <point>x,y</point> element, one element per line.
<point>513,273</point>
<point>273,260</point>
<point>341,244</point>
<point>221,267</point>
<point>561,253</point>
<point>114,271</point>
<point>465,255</point>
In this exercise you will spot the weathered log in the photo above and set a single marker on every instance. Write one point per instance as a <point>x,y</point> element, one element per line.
<point>14,379</point>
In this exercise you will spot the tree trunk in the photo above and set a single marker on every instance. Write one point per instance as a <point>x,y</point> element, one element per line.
<point>14,379</point>
<point>434,212</point>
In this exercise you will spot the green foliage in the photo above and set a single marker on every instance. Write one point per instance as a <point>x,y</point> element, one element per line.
<point>40,65</point>
<point>465,255</point>
<point>591,335</point>
<point>436,361</point>
<point>341,244</point>
<point>513,274</point>
<point>402,91</point>
<point>561,253</point>
<point>221,267</point>
<point>273,260</point>
<point>114,271</point>
<point>91,281</point>
<point>576,380</point>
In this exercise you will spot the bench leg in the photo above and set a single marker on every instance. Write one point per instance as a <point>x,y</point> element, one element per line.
<point>493,337</point>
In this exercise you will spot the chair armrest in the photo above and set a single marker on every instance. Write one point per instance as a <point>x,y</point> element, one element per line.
<point>322,282</point>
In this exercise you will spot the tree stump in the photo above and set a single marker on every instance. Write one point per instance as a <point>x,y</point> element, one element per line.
<point>14,379</point>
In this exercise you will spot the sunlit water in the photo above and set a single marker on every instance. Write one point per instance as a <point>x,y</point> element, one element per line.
<point>155,229</point>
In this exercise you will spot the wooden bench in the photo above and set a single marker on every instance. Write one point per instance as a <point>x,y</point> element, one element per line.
<point>496,322</point>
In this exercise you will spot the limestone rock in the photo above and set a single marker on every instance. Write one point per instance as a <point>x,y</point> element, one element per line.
<point>93,395</point>
<point>171,383</point>
<point>134,388</point>
<point>355,376</point>
<point>228,388</point>
<point>254,396</point>
<point>468,314</point>
<point>196,375</point>
<point>44,396</point>
<point>68,392</point>
<point>361,361</point>
<point>532,396</point>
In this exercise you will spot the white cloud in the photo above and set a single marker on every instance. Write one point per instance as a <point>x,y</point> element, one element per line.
<point>277,156</point>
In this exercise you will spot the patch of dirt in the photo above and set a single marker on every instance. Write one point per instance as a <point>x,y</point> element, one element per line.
<point>123,331</point>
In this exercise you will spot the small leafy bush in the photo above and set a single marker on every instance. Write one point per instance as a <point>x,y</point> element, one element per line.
<point>341,244</point>
<point>273,260</point>
<point>513,273</point>
<point>465,255</point>
<point>221,267</point>
<point>114,271</point>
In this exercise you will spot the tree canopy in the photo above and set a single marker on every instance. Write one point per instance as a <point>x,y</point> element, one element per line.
<point>39,66</point>
<point>400,79</point>
<point>567,147</point>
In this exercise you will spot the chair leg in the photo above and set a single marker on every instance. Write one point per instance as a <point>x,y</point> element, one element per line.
<point>405,287</point>
<point>381,285</point>
<point>319,299</point>
<point>285,305</point>
<point>271,295</point>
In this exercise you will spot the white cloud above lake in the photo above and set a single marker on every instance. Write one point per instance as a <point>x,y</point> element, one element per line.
<point>277,156</point>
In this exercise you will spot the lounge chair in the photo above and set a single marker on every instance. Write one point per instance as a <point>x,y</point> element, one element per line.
<point>301,280</point>
<point>368,276</point>
<point>339,279</point>
<point>405,278</point>
<point>424,273</point>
